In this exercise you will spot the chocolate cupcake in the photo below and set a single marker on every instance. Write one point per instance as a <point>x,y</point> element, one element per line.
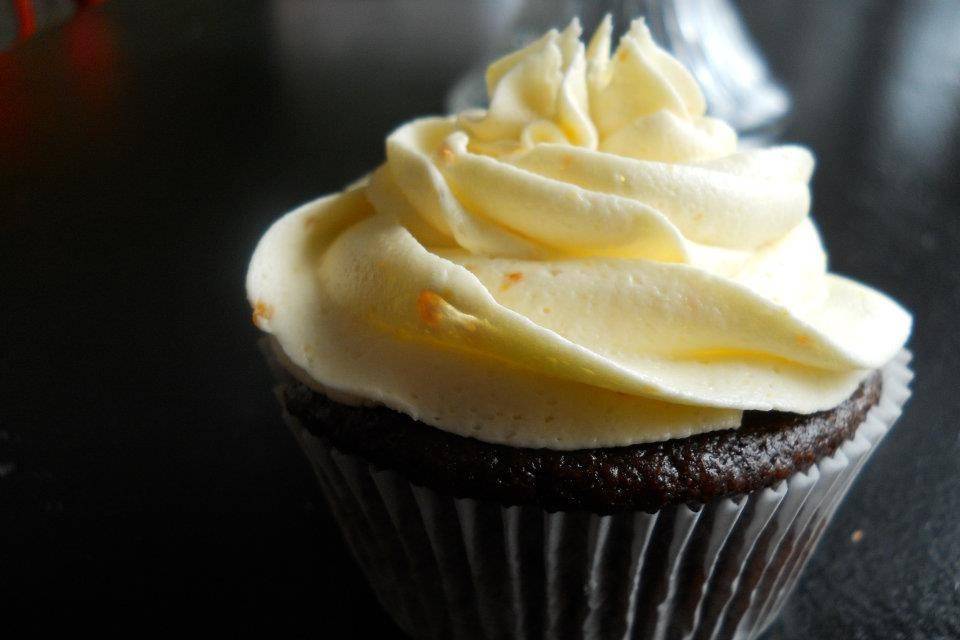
<point>573,365</point>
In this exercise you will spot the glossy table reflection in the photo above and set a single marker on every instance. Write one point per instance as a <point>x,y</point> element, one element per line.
<point>144,147</point>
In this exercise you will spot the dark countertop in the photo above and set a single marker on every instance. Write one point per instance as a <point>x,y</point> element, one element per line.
<point>144,147</point>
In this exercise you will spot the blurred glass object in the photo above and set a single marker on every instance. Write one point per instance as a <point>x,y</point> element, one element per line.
<point>707,36</point>
<point>920,99</point>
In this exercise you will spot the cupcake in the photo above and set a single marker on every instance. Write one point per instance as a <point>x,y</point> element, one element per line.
<point>573,365</point>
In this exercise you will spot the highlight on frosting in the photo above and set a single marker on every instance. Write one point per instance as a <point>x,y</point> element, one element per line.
<point>590,261</point>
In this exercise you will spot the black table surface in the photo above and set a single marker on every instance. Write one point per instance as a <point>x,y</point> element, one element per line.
<point>144,147</point>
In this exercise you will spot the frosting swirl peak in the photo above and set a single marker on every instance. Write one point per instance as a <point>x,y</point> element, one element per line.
<point>591,261</point>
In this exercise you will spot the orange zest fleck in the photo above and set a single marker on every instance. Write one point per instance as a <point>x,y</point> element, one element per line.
<point>446,154</point>
<point>803,340</point>
<point>566,160</point>
<point>429,307</point>
<point>261,311</point>
<point>511,279</point>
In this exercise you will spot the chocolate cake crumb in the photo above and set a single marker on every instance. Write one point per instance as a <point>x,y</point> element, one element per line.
<point>768,447</point>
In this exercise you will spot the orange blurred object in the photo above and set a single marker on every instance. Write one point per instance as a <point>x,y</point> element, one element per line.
<point>26,15</point>
<point>26,18</point>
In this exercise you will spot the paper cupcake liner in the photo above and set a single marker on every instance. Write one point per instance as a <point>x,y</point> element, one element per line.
<point>447,567</point>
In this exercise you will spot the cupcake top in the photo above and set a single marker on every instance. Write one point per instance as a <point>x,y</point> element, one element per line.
<point>591,261</point>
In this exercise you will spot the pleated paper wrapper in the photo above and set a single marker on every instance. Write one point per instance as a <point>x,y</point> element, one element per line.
<point>452,568</point>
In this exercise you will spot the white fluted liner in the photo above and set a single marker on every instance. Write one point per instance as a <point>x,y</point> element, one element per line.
<point>459,568</point>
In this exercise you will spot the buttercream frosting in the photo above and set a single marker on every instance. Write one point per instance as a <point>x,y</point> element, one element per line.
<point>590,261</point>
